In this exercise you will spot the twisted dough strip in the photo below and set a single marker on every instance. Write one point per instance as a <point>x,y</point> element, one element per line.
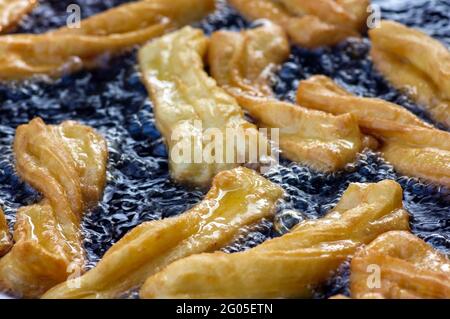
<point>242,64</point>
<point>304,21</point>
<point>408,268</point>
<point>415,63</point>
<point>12,11</point>
<point>5,239</point>
<point>238,197</point>
<point>414,147</point>
<point>67,164</point>
<point>69,49</point>
<point>184,95</point>
<point>291,265</point>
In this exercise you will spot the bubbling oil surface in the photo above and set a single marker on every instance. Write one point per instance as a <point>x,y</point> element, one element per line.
<point>113,101</point>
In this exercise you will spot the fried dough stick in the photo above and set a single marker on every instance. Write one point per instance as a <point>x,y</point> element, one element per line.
<point>5,239</point>
<point>408,268</point>
<point>70,49</point>
<point>67,164</point>
<point>307,30</point>
<point>416,63</point>
<point>411,145</point>
<point>322,93</point>
<point>291,265</point>
<point>237,198</point>
<point>242,64</point>
<point>12,11</point>
<point>184,98</point>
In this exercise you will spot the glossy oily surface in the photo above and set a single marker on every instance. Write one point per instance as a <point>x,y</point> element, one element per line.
<point>243,63</point>
<point>67,164</point>
<point>5,239</point>
<point>187,102</point>
<point>304,22</point>
<point>408,268</point>
<point>12,11</point>
<point>414,147</point>
<point>413,61</point>
<point>238,198</point>
<point>293,264</point>
<point>112,100</point>
<point>69,49</point>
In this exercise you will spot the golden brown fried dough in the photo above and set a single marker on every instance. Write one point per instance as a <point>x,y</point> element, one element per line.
<point>184,96</point>
<point>67,164</point>
<point>415,151</point>
<point>5,239</point>
<point>242,63</point>
<point>12,11</point>
<point>291,265</point>
<point>309,31</point>
<point>247,59</point>
<point>70,49</point>
<point>414,147</point>
<point>407,268</point>
<point>416,63</point>
<point>348,14</point>
<point>237,198</point>
<point>322,93</point>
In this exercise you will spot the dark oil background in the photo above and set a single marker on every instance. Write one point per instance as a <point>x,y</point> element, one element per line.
<point>112,100</point>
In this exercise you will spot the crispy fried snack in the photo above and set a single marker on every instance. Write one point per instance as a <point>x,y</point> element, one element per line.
<point>245,60</point>
<point>310,29</point>
<point>414,147</point>
<point>242,64</point>
<point>322,93</point>
<point>291,265</point>
<point>416,63</point>
<point>69,49</point>
<point>67,164</point>
<point>237,198</point>
<point>184,98</point>
<point>5,239</point>
<point>12,11</point>
<point>416,151</point>
<point>408,268</point>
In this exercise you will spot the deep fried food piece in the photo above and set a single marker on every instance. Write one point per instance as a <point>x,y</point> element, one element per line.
<point>291,265</point>
<point>408,268</point>
<point>416,63</point>
<point>69,49</point>
<point>322,141</point>
<point>12,11</point>
<point>347,14</point>
<point>242,63</point>
<point>309,30</point>
<point>411,145</point>
<point>5,239</point>
<point>322,93</point>
<point>237,198</point>
<point>67,164</point>
<point>183,95</point>
<point>416,151</point>
<point>247,59</point>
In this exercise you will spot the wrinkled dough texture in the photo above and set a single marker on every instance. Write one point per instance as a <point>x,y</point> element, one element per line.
<point>306,21</point>
<point>415,63</point>
<point>407,268</point>
<point>238,197</point>
<point>293,264</point>
<point>243,62</point>
<point>412,146</point>
<point>67,49</point>
<point>187,102</point>
<point>12,11</point>
<point>66,163</point>
<point>5,239</point>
